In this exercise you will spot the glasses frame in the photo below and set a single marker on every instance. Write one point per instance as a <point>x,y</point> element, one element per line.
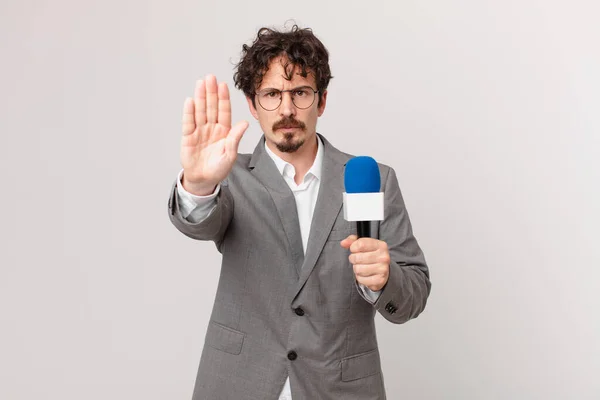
<point>281,92</point>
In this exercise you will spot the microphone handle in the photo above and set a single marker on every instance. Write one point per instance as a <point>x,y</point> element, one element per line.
<point>363,229</point>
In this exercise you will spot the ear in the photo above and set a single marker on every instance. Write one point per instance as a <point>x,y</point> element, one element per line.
<point>252,108</point>
<point>321,108</point>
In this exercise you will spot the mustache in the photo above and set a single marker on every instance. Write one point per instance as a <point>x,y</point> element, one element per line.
<point>289,122</point>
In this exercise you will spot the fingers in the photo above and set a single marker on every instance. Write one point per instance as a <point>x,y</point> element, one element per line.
<point>367,251</point>
<point>372,276</point>
<point>212,100</point>
<point>371,257</point>
<point>200,102</point>
<point>187,121</point>
<point>357,245</point>
<point>365,271</point>
<point>224,107</point>
<point>366,244</point>
<point>373,282</point>
<point>346,243</point>
<point>232,141</point>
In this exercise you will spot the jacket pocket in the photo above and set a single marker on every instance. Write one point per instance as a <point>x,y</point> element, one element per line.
<point>223,338</point>
<point>360,366</point>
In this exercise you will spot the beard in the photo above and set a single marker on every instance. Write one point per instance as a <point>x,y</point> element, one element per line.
<point>288,144</point>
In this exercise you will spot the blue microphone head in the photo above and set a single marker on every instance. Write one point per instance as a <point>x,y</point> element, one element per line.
<point>362,175</point>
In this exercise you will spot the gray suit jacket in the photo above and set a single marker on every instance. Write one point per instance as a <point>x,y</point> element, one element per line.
<point>278,312</point>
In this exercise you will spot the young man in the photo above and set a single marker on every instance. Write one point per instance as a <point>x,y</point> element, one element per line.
<point>294,311</point>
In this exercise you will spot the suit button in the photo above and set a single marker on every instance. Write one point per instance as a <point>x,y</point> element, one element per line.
<point>299,311</point>
<point>292,355</point>
<point>389,307</point>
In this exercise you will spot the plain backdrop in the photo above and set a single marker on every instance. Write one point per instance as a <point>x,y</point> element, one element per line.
<point>488,111</point>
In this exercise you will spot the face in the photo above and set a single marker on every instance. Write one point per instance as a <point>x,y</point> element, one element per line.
<point>287,127</point>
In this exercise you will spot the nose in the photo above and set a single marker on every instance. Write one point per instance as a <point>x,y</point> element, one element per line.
<point>287,107</point>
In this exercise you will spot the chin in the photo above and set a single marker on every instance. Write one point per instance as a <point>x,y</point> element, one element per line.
<point>289,147</point>
<point>289,143</point>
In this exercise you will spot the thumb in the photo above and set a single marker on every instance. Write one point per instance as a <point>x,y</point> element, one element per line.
<point>346,243</point>
<point>234,136</point>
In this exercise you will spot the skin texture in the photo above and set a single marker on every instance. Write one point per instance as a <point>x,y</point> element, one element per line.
<point>370,260</point>
<point>306,139</point>
<point>209,143</point>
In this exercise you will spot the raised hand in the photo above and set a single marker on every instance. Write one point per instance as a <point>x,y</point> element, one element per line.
<point>209,144</point>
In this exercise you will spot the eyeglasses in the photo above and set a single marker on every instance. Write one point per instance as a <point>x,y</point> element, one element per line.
<point>302,97</point>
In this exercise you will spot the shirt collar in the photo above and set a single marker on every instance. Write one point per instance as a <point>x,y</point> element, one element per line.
<point>283,166</point>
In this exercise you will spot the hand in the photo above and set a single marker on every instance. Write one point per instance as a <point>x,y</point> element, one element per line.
<point>209,144</point>
<point>370,259</point>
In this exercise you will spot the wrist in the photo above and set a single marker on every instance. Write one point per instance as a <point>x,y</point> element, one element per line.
<point>198,189</point>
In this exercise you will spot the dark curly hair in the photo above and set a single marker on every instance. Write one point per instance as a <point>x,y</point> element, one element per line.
<point>299,46</point>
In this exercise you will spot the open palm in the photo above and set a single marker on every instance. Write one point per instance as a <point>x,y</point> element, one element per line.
<point>209,144</point>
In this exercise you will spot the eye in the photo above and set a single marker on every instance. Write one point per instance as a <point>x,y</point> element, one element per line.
<point>269,94</point>
<point>301,93</point>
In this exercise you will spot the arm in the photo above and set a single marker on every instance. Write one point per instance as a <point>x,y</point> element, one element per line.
<point>208,152</point>
<point>405,294</point>
<point>392,267</point>
<point>200,217</point>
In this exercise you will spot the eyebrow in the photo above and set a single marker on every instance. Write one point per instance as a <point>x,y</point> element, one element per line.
<point>279,90</point>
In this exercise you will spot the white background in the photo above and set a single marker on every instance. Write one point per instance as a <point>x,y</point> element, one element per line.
<point>488,111</point>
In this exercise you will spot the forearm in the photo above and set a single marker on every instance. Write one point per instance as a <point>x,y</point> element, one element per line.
<point>202,227</point>
<point>405,295</point>
<point>195,208</point>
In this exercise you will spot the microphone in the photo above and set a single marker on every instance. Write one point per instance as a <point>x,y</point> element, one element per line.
<point>363,202</point>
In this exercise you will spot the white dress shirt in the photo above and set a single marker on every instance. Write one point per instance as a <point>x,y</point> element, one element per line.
<point>196,208</point>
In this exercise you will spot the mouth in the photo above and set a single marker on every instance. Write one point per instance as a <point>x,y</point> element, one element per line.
<point>288,127</point>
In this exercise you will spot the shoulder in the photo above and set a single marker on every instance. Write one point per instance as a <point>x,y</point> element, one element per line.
<point>385,171</point>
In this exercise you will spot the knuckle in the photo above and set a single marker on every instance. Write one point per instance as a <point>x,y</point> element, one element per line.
<point>385,259</point>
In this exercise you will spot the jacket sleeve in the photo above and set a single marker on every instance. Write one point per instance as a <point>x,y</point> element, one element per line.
<point>405,294</point>
<point>212,227</point>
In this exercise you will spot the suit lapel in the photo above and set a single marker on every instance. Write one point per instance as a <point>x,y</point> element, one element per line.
<point>329,203</point>
<point>266,172</point>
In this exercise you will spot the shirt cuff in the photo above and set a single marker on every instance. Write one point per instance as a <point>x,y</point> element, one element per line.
<point>369,294</point>
<point>195,208</point>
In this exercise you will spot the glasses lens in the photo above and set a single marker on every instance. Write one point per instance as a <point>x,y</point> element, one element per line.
<point>270,99</point>
<point>303,97</point>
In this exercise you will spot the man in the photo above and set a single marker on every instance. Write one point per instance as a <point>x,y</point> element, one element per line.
<point>294,310</point>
